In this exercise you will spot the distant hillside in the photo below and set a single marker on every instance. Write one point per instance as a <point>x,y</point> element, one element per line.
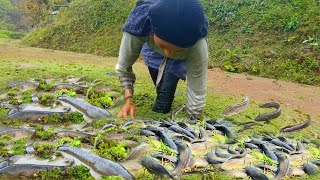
<point>272,38</point>
<point>91,26</point>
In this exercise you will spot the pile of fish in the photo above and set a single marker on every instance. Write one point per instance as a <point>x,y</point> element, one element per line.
<point>166,148</point>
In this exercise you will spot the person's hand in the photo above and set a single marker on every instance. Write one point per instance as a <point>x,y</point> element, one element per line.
<point>128,108</point>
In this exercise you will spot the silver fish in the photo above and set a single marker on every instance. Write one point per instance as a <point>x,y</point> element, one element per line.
<point>88,109</point>
<point>101,165</point>
<point>236,108</point>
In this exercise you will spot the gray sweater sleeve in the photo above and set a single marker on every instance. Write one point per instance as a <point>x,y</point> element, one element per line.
<point>197,62</point>
<point>129,52</point>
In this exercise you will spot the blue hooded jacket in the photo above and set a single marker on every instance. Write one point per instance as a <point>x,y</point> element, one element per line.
<point>138,24</point>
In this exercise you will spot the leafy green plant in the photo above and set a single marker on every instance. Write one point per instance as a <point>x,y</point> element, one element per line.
<point>55,174</point>
<point>112,178</point>
<point>291,24</point>
<point>26,97</point>
<point>43,134</point>
<point>112,150</point>
<point>4,152</point>
<point>75,142</point>
<point>44,150</point>
<point>70,93</point>
<point>47,99</point>
<point>19,147</point>
<point>79,172</point>
<point>101,100</point>
<point>74,117</point>
<point>45,86</point>
<point>263,158</point>
<point>55,118</point>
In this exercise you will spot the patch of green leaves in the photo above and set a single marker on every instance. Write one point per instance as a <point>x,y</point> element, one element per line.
<point>112,178</point>
<point>19,147</point>
<point>74,117</point>
<point>45,86</point>
<point>44,150</point>
<point>70,93</point>
<point>112,150</point>
<point>47,99</point>
<point>75,142</point>
<point>42,133</point>
<point>79,172</point>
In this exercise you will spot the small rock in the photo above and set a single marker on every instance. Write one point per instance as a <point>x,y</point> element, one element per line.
<point>35,99</point>
<point>30,150</point>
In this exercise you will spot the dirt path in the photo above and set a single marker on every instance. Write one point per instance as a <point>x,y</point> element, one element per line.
<point>301,97</point>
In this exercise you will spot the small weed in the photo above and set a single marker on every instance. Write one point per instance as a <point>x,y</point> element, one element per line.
<point>70,93</point>
<point>45,150</point>
<point>74,117</point>
<point>75,142</point>
<point>4,152</point>
<point>43,134</point>
<point>112,178</point>
<point>263,158</point>
<point>26,97</point>
<point>45,86</point>
<point>55,174</point>
<point>5,137</point>
<point>100,135</point>
<point>47,99</point>
<point>52,119</point>
<point>79,172</point>
<point>101,100</point>
<point>112,150</point>
<point>19,147</point>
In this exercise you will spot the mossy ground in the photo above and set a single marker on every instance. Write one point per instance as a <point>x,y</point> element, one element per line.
<point>32,63</point>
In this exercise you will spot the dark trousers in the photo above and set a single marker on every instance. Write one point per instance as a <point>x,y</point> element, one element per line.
<point>165,91</point>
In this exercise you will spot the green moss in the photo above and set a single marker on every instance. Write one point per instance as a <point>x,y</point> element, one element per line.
<point>45,86</point>
<point>4,152</point>
<point>112,178</point>
<point>52,119</point>
<point>3,112</point>
<point>70,93</point>
<point>47,99</point>
<point>76,142</point>
<point>112,150</point>
<point>19,147</point>
<point>80,172</point>
<point>5,137</point>
<point>13,91</point>
<point>43,134</point>
<point>3,143</point>
<point>74,117</point>
<point>26,97</point>
<point>45,150</point>
<point>14,101</point>
<point>101,100</point>
<point>55,174</point>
